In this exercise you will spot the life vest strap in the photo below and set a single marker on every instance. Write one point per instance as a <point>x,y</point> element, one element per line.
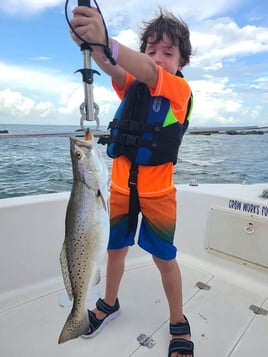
<point>131,125</point>
<point>134,204</point>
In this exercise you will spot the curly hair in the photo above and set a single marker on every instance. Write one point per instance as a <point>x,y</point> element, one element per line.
<point>175,28</point>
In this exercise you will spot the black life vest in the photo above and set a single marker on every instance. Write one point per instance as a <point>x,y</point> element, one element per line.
<point>139,130</point>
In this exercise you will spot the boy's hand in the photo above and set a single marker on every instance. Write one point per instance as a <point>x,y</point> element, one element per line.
<point>88,24</point>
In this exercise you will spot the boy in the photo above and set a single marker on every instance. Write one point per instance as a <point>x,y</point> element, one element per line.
<point>145,137</point>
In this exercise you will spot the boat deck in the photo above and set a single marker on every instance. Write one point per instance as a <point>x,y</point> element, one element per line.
<point>224,264</point>
<point>221,319</point>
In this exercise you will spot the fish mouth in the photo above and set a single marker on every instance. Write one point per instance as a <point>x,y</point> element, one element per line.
<point>88,137</point>
<point>87,143</point>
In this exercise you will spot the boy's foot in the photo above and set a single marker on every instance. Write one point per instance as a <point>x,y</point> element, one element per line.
<point>181,346</point>
<point>96,324</point>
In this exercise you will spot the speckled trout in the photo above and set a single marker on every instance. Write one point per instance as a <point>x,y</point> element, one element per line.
<point>86,231</point>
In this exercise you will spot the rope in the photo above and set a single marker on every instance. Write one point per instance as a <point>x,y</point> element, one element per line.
<point>106,49</point>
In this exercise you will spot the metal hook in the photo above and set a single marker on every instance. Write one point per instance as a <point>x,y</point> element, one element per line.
<point>84,115</point>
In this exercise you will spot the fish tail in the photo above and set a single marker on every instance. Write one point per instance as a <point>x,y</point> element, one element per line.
<point>74,327</point>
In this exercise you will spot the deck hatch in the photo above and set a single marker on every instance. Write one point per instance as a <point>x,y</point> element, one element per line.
<point>238,235</point>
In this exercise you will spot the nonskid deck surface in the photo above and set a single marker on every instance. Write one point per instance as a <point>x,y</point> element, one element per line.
<point>222,323</point>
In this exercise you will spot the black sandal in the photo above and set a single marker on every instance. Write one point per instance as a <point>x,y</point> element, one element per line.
<point>180,345</point>
<point>96,325</point>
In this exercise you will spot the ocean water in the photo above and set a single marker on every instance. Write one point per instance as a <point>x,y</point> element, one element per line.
<point>37,165</point>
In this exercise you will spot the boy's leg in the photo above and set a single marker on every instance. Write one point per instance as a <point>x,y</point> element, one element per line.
<point>108,308</point>
<point>171,280</point>
<point>117,248</point>
<point>118,245</point>
<point>114,270</point>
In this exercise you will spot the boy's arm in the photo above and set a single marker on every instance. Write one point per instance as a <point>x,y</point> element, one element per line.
<point>117,73</point>
<point>140,65</point>
<point>88,24</point>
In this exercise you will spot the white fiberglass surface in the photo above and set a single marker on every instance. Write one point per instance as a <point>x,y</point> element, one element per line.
<point>222,323</point>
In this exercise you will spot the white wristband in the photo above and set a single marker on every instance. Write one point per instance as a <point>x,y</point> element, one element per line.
<point>115,49</point>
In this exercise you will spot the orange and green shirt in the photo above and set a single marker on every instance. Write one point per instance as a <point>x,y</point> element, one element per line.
<point>153,180</point>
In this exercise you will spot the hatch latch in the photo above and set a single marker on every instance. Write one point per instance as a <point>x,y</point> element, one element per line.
<point>258,310</point>
<point>145,341</point>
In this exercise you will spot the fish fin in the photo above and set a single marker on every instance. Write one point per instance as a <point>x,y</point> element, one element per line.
<point>65,272</point>
<point>104,200</point>
<point>74,327</point>
<point>97,277</point>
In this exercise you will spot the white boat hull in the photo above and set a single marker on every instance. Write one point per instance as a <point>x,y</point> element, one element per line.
<point>216,247</point>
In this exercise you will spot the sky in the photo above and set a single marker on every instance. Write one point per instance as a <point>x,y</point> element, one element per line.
<point>228,72</point>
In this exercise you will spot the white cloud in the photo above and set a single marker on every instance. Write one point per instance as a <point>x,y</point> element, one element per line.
<point>41,59</point>
<point>222,39</point>
<point>34,94</point>
<point>71,98</point>
<point>214,102</point>
<point>28,7</point>
<point>120,11</point>
<point>128,38</point>
<point>34,79</point>
<point>51,97</point>
<point>14,105</point>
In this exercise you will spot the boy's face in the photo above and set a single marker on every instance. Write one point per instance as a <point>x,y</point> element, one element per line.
<point>164,54</point>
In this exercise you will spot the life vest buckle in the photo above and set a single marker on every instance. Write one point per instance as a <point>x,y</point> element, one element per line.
<point>136,126</point>
<point>132,140</point>
<point>133,176</point>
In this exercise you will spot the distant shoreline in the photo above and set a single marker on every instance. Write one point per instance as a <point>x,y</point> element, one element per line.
<point>227,131</point>
<point>7,132</point>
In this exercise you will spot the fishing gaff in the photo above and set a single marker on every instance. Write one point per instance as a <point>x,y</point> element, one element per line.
<point>87,107</point>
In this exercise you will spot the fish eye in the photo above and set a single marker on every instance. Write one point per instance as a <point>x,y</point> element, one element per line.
<point>78,155</point>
